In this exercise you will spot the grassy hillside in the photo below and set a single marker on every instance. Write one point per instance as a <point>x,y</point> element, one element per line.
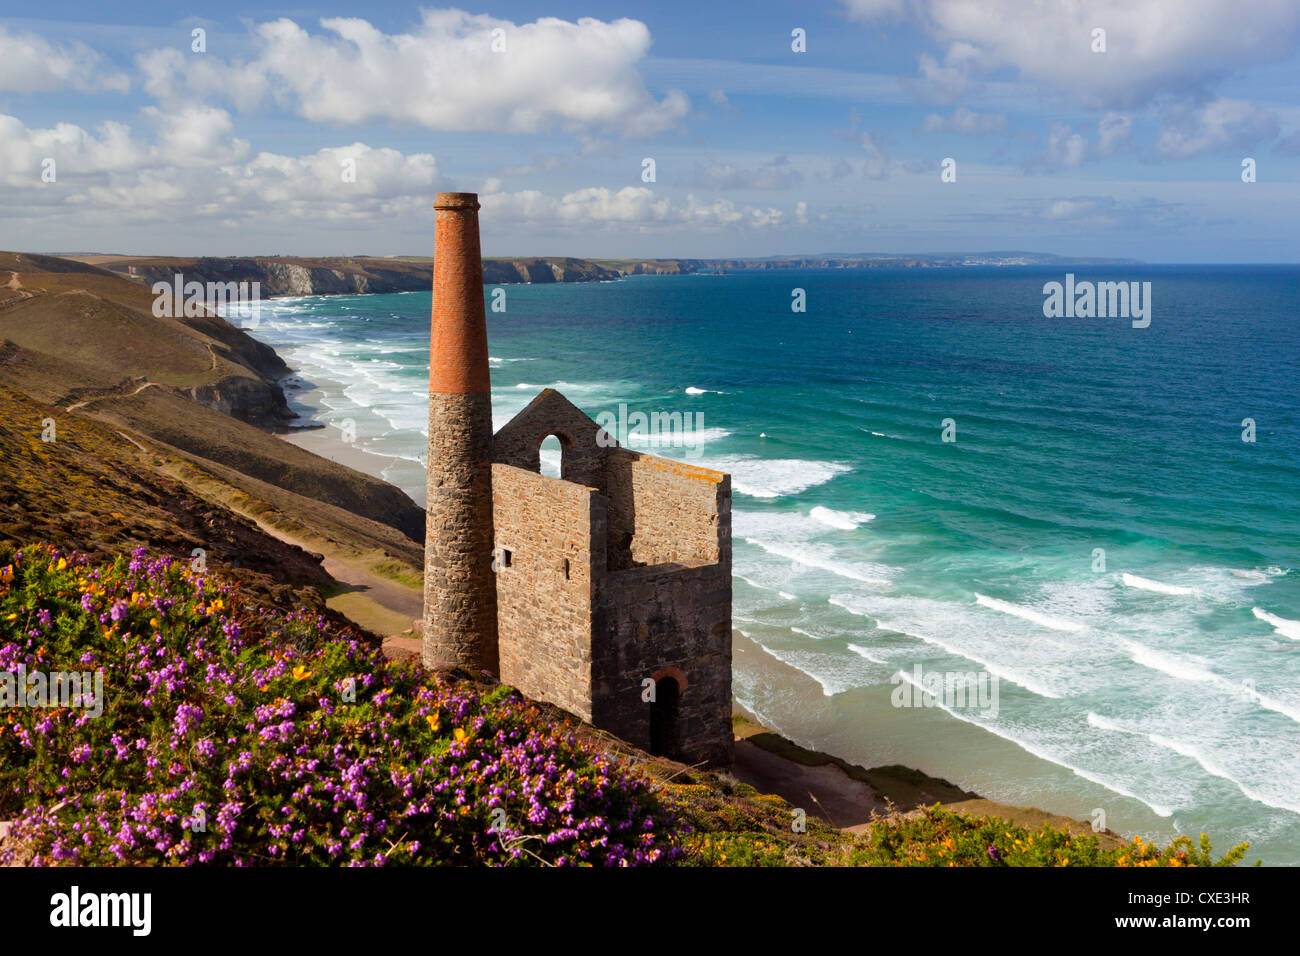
<point>81,338</point>
<point>94,490</point>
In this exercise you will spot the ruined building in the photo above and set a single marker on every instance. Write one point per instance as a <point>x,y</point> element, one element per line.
<point>606,591</point>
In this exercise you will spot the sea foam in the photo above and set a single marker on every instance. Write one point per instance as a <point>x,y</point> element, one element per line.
<point>1146,584</point>
<point>1281,625</point>
<point>1028,614</point>
<point>774,477</point>
<point>844,520</point>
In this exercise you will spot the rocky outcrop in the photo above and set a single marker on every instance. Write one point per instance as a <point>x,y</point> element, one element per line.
<point>248,399</point>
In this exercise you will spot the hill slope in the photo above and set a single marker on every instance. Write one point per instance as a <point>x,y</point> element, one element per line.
<point>81,338</point>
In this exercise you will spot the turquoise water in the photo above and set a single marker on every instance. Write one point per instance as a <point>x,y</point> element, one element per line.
<point>1161,686</point>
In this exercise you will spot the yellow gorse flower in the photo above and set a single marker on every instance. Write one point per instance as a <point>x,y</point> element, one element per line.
<point>460,735</point>
<point>300,672</point>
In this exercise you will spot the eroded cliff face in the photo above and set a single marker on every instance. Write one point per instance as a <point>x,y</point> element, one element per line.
<point>281,276</point>
<point>250,400</point>
<point>300,276</point>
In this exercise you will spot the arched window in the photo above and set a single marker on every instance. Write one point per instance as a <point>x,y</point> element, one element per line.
<point>552,456</point>
<point>664,715</point>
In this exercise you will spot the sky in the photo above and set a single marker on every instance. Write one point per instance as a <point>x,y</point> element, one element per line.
<point>1161,130</point>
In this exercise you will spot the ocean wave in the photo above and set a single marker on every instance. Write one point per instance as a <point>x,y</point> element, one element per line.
<point>1281,625</point>
<point>566,386</point>
<point>775,477</point>
<point>1157,809</point>
<point>1146,584</point>
<point>805,661</point>
<point>1207,763</point>
<point>823,560</point>
<point>687,438</point>
<point>844,520</point>
<point>863,652</point>
<point>1029,614</point>
<point>692,390</point>
<point>1183,668</point>
<point>1214,770</point>
<point>1001,671</point>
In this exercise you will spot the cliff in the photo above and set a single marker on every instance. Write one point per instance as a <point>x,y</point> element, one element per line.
<point>352,275</point>
<point>287,276</point>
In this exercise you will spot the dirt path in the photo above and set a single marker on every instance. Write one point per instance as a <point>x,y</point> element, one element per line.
<point>404,601</point>
<point>400,600</point>
<point>98,398</point>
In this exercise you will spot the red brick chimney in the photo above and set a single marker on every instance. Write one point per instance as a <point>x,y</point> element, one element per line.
<point>460,609</point>
<point>459,350</point>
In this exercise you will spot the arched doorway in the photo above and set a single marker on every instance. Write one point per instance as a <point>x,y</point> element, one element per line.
<point>665,711</point>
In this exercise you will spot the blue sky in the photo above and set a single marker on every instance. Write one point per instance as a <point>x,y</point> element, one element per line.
<point>326,130</point>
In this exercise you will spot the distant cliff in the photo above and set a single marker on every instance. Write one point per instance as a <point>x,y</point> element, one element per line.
<point>283,275</point>
<point>350,275</point>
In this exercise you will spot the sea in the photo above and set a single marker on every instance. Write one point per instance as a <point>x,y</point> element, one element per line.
<point>1054,561</point>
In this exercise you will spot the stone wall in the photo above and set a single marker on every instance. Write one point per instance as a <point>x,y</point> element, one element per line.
<point>544,613</point>
<point>663,511</point>
<point>670,610</point>
<point>652,622</point>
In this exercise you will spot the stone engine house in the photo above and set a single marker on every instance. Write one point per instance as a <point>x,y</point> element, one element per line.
<point>605,591</point>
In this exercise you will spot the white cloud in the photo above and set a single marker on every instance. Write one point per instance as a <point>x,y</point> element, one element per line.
<point>1113,132</point>
<point>877,165</point>
<point>636,206</point>
<point>777,173</point>
<point>1065,148</point>
<point>191,172</point>
<point>1064,209</point>
<point>1143,215</point>
<point>74,150</point>
<point>30,63</point>
<point>870,9</point>
<point>1152,46</point>
<point>195,136</point>
<point>1219,124</point>
<point>444,74</point>
<point>946,81</point>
